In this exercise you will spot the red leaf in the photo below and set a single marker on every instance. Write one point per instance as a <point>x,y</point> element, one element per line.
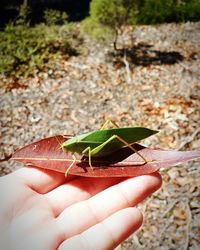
<point>47,154</point>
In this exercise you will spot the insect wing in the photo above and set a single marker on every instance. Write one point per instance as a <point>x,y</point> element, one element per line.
<point>130,135</point>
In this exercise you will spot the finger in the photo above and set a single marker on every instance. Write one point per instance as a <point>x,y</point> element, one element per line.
<point>40,180</point>
<point>80,216</point>
<point>107,234</point>
<point>32,229</point>
<point>77,190</point>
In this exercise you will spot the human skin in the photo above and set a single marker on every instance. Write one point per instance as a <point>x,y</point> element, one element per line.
<point>41,209</point>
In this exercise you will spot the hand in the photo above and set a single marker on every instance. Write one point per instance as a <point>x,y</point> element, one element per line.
<point>41,209</point>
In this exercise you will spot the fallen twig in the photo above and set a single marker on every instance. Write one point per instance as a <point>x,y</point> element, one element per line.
<point>170,207</point>
<point>189,218</point>
<point>6,158</point>
<point>129,78</point>
<point>189,139</point>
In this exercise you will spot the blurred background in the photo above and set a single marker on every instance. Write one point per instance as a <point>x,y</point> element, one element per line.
<point>67,66</point>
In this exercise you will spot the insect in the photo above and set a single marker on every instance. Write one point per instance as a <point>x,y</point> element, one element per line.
<point>103,142</point>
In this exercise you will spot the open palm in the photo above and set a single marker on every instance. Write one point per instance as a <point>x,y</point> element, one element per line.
<point>41,209</point>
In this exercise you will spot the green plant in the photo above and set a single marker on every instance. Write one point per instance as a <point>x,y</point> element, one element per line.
<point>109,15</point>
<point>55,17</point>
<point>191,10</point>
<point>24,13</point>
<point>96,30</point>
<point>155,11</point>
<point>160,11</point>
<point>24,48</point>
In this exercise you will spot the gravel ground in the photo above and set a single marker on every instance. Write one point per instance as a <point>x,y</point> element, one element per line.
<point>79,94</point>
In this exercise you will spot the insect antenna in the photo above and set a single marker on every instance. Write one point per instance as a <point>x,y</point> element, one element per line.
<point>107,122</point>
<point>59,143</point>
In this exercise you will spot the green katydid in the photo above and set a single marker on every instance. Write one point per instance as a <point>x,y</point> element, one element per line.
<point>103,142</point>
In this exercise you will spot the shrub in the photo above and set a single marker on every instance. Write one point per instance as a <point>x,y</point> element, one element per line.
<point>96,30</point>
<point>112,13</point>
<point>108,16</point>
<point>191,10</point>
<point>55,17</point>
<point>160,11</point>
<point>24,13</point>
<point>155,11</point>
<point>24,48</point>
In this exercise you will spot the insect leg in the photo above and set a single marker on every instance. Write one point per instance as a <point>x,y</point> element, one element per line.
<point>71,165</point>
<point>131,147</point>
<point>89,156</point>
<point>68,136</point>
<point>107,122</point>
<point>100,147</point>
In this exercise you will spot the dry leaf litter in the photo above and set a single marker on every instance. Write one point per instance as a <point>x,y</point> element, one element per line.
<point>77,95</point>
